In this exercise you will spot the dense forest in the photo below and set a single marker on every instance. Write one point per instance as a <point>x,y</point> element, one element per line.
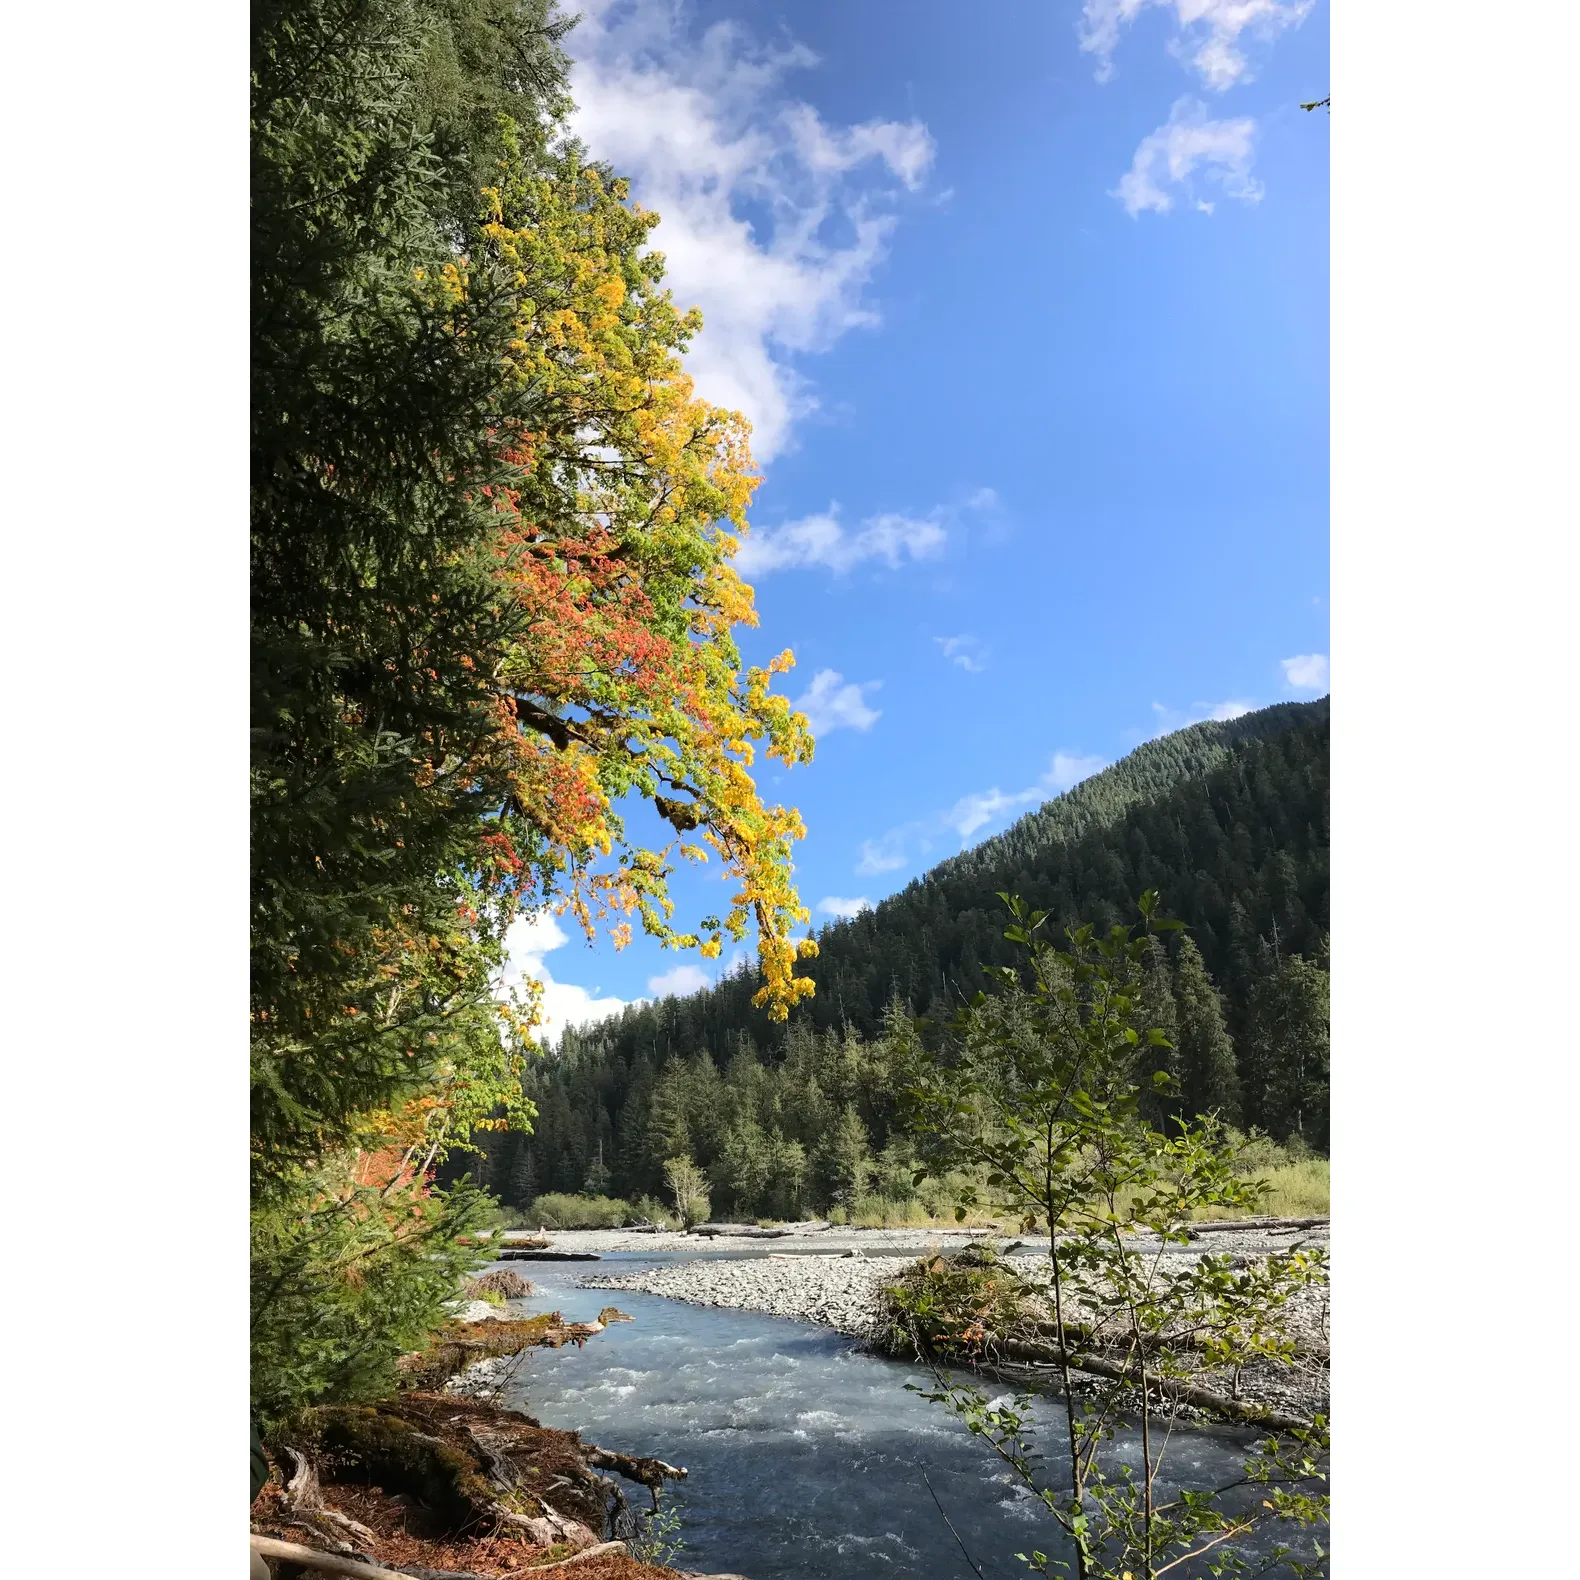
<point>1228,821</point>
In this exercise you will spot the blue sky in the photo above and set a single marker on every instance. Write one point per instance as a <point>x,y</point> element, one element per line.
<point>1029,311</point>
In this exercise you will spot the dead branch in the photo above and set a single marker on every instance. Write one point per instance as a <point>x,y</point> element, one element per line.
<point>651,1473</point>
<point>351,1568</point>
<point>602,1550</point>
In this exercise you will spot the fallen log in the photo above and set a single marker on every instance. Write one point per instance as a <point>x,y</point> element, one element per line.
<point>549,1256</point>
<point>1278,1225</point>
<point>351,1568</point>
<point>1050,1355</point>
<point>752,1231</point>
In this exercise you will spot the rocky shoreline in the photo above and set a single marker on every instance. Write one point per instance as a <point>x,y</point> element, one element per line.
<point>835,1277</point>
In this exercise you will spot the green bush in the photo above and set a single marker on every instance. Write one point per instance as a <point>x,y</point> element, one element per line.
<point>556,1210</point>
<point>649,1209</point>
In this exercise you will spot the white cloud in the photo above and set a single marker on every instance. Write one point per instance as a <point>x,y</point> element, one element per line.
<point>680,980</point>
<point>983,499</point>
<point>822,540</point>
<point>1186,143</point>
<point>966,651</point>
<point>881,855</point>
<point>832,905</point>
<point>1307,671</point>
<point>982,807</point>
<point>977,811</point>
<point>1171,719</point>
<point>1070,768</point>
<point>562,1004</point>
<point>1209,36</point>
<point>829,704</point>
<point>773,220</point>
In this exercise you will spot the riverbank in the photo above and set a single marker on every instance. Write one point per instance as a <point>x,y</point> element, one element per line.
<point>809,1455</point>
<point>835,1278</point>
<point>452,1484</point>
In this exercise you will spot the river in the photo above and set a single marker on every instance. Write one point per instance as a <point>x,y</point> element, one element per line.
<point>808,1459</point>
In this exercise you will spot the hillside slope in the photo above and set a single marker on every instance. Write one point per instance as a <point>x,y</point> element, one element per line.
<point>1228,820</point>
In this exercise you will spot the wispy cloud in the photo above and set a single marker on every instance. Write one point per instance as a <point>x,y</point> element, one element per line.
<point>1306,671</point>
<point>832,905</point>
<point>562,1004</point>
<point>823,540</point>
<point>680,980</point>
<point>974,812</point>
<point>774,220</point>
<point>1209,32</point>
<point>1070,768</point>
<point>882,855</point>
<point>1171,719</point>
<point>966,651</point>
<point>831,704</point>
<point>982,807</point>
<point>1190,148</point>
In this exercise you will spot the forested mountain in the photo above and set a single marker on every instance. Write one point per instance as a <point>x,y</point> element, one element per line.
<point>1227,820</point>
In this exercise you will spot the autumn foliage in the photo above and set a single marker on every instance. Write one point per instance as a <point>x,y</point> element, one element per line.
<point>494,664</point>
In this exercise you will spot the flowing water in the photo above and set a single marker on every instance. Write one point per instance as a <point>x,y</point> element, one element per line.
<point>807,1458</point>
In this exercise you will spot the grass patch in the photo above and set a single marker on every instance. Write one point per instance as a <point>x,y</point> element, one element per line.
<point>1296,1181</point>
<point>1296,1189</point>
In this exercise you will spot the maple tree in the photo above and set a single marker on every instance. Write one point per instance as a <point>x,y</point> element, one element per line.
<point>493,618</point>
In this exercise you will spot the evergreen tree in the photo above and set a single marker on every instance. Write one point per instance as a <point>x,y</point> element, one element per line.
<point>1155,1007</point>
<point>740,1174</point>
<point>522,1187</point>
<point>668,1128</point>
<point>598,1175</point>
<point>842,1162</point>
<point>1288,1050</point>
<point>785,1186</point>
<point>1208,1078</point>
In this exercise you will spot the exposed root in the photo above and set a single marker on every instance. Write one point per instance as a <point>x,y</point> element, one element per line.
<point>304,1503</point>
<point>437,1486</point>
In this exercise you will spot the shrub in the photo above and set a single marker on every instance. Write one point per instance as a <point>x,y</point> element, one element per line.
<point>649,1209</point>
<point>558,1211</point>
<point>689,1187</point>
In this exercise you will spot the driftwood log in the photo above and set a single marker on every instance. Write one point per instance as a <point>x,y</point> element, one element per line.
<point>741,1231</point>
<point>549,1256</point>
<point>360,1569</point>
<point>351,1568</point>
<point>1050,1356</point>
<point>1276,1225</point>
